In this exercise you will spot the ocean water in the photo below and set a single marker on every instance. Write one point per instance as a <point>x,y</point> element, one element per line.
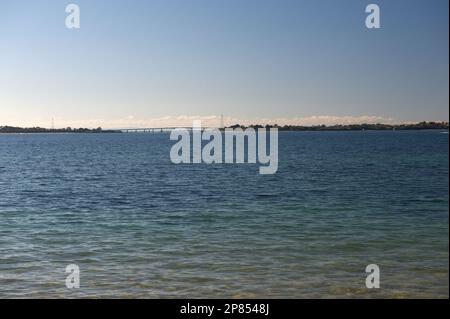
<point>139,226</point>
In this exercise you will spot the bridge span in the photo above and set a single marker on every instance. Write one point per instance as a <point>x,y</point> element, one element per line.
<point>151,129</point>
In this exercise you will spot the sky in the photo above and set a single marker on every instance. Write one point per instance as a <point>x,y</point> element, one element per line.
<point>155,63</point>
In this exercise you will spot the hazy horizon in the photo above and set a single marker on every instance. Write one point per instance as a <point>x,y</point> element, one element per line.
<point>214,121</point>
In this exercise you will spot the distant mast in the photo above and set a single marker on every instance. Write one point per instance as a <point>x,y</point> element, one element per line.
<point>53,123</point>
<point>221,121</point>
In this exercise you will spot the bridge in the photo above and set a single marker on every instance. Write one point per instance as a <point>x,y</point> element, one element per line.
<point>165,129</point>
<point>152,129</point>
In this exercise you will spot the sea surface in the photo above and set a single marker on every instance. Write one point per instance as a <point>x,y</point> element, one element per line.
<point>139,226</point>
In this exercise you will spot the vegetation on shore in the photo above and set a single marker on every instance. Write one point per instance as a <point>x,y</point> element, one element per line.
<point>356,127</point>
<point>346,127</point>
<point>13,129</point>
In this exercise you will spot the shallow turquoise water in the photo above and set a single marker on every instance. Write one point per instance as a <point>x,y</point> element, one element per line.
<point>140,226</point>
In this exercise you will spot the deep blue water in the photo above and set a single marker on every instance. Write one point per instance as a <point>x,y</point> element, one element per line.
<point>140,226</point>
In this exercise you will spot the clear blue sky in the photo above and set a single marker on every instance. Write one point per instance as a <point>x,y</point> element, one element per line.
<point>248,59</point>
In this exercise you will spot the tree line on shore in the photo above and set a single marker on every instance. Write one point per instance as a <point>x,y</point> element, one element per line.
<point>15,129</point>
<point>354,127</point>
<point>341,127</point>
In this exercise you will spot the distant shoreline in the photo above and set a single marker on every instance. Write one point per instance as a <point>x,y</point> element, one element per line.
<point>298,128</point>
<point>34,130</point>
<point>356,127</point>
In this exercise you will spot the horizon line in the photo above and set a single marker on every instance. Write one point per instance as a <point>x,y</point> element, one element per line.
<point>132,121</point>
<point>412,123</point>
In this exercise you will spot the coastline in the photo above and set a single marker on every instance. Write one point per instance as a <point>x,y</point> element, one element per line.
<point>421,126</point>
